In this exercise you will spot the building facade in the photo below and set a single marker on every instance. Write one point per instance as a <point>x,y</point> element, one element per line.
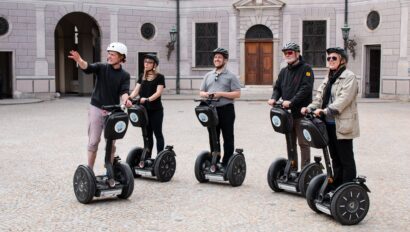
<point>36,36</point>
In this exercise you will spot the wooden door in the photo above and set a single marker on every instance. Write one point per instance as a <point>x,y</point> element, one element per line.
<point>258,63</point>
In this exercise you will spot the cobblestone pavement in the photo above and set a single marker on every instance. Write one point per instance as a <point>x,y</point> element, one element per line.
<point>42,144</point>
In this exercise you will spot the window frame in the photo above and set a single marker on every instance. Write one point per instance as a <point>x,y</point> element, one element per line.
<point>194,39</point>
<point>326,34</point>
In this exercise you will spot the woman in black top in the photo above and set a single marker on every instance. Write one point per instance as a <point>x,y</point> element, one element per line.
<point>149,87</point>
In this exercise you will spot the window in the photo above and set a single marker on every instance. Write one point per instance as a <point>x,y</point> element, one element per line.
<point>4,26</point>
<point>206,40</point>
<point>373,20</point>
<point>147,30</point>
<point>314,43</point>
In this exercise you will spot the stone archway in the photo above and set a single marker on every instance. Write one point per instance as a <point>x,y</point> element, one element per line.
<point>76,31</point>
<point>259,55</point>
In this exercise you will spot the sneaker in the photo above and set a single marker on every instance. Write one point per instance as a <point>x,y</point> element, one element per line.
<point>111,183</point>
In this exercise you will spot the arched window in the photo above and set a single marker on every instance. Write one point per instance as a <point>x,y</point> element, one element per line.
<point>259,32</point>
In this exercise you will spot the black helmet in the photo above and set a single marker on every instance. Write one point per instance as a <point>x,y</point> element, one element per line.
<point>221,51</point>
<point>291,46</point>
<point>152,56</point>
<point>339,51</point>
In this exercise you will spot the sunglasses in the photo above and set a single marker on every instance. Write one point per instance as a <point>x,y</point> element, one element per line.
<point>288,53</point>
<point>216,76</point>
<point>329,58</point>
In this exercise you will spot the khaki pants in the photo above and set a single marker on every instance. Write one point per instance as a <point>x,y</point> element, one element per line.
<point>96,125</point>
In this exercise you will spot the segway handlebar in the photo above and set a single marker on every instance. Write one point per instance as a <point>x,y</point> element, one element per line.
<point>135,101</point>
<point>210,98</point>
<point>111,108</point>
<point>278,104</point>
<point>311,114</point>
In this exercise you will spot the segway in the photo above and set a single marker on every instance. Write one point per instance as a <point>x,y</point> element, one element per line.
<point>283,174</point>
<point>118,180</point>
<point>207,165</point>
<point>347,203</point>
<point>139,159</point>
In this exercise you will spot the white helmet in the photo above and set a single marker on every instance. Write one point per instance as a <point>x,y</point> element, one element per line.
<point>118,47</point>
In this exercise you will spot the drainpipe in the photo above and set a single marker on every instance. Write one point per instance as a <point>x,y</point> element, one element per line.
<point>346,36</point>
<point>178,55</point>
<point>346,12</point>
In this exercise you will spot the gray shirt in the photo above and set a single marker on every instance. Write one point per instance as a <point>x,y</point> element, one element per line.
<point>226,81</point>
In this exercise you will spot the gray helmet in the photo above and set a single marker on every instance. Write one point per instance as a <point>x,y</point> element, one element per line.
<point>291,46</point>
<point>153,57</point>
<point>339,51</point>
<point>221,51</point>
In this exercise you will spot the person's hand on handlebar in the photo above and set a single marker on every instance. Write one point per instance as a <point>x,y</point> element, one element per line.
<point>204,94</point>
<point>271,102</point>
<point>304,110</point>
<point>319,112</point>
<point>143,100</point>
<point>128,103</point>
<point>286,104</point>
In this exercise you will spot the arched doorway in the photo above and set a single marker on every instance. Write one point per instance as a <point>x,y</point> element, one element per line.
<point>75,31</point>
<point>259,56</point>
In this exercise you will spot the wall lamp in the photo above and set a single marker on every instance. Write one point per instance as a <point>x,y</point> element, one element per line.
<point>171,44</point>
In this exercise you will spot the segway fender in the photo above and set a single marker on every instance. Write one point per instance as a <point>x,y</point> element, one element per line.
<point>353,182</point>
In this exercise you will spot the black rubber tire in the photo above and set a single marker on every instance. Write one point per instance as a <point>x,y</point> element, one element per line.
<point>276,169</point>
<point>307,174</point>
<point>236,170</point>
<point>133,159</point>
<point>350,204</point>
<point>204,158</point>
<point>165,166</point>
<point>84,184</point>
<point>123,174</point>
<point>313,191</point>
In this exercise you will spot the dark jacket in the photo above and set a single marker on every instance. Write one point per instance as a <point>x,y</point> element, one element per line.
<point>110,84</point>
<point>295,84</point>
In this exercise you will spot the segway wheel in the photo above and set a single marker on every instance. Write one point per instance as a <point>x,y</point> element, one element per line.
<point>133,159</point>
<point>165,165</point>
<point>123,174</point>
<point>307,175</point>
<point>313,189</point>
<point>276,169</point>
<point>350,204</point>
<point>236,170</point>
<point>203,160</point>
<point>84,184</point>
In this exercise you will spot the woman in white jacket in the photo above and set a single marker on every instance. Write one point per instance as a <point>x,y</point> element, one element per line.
<point>336,100</point>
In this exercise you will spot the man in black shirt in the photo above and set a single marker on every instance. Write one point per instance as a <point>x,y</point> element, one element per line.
<point>113,83</point>
<point>295,87</point>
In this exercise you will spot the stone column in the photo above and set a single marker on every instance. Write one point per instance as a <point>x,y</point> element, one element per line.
<point>233,44</point>
<point>403,64</point>
<point>242,60</point>
<point>339,42</point>
<point>276,60</point>
<point>85,45</point>
<point>114,24</point>
<point>41,64</point>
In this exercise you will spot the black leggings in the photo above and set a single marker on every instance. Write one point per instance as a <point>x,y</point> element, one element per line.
<point>155,118</point>
<point>341,151</point>
<point>226,116</point>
